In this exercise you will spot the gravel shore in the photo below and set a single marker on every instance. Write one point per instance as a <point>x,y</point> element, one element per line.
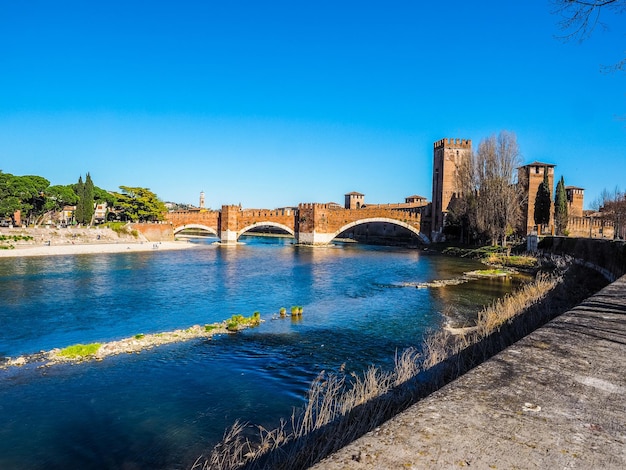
<point>77,241</point>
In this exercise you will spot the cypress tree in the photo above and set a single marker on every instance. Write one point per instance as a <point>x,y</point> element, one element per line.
<point>542,201</point>
<point>79,213</point>
<point>560,208</point>
<point>88,196</point>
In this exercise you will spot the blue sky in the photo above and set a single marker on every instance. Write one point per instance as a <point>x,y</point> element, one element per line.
<point>273,103</point>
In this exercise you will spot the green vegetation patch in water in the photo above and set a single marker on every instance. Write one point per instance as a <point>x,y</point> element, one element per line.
<point>80,350</point>
<point>237,322</point>
<point>493,272</point>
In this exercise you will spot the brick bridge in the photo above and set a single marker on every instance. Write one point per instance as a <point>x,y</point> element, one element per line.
<point>309,224</point>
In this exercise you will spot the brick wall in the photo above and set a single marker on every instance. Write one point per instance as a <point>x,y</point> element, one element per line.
<point>155,232</point>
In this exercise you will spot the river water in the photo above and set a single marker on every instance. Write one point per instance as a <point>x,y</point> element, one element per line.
<point>164,407</point>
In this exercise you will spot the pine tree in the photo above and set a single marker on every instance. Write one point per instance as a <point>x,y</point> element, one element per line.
<point>88,196</point>
<point>542,201</point>
<point>79,213</point>
<point>560,208</point>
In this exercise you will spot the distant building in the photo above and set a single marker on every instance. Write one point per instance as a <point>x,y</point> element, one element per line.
<point>354,200</point>
<point>100,213</point>
<point>67,215</point>
<point>416,201</point>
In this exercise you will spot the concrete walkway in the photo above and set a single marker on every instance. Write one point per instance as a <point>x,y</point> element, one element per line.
<point>554,400</point>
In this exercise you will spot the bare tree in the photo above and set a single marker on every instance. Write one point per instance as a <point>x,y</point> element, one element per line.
<point>612,207</point>
<point>579,18</point>
<point>490,199</point>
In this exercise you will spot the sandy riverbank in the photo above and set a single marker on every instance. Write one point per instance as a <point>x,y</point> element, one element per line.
<point>19,242</point>
<point>96,248</point>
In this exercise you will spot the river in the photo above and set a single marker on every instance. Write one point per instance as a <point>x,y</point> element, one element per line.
<point>163,407</point>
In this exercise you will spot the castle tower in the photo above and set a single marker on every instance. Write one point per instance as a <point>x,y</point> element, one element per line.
<point>448,156</point>
<point>575,199</point>
<point>354,200</point>
<point>201,199</point>
<point>530,177</point>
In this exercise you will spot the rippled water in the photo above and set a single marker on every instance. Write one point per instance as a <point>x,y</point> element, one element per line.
<point>164,407</point>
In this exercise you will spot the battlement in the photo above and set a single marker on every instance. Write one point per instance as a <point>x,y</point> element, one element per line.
<point>455,143</point>
<point>317,205</point>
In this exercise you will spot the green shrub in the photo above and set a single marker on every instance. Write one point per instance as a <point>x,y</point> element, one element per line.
<point>236,322</point>
<point>232,325</point>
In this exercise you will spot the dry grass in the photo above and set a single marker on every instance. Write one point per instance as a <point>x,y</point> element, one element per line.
<point>341,408</point>
<point>515,261</point>
<point>491,318</point>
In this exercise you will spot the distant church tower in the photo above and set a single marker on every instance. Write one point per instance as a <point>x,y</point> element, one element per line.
<point>448,155</point>
<point>201,199</point>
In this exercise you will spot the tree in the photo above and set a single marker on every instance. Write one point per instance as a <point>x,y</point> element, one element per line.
<point>88,203</point>
<point>613,209</point>
<point>139,204</point>
<point>22,193</point>
<point>579,19</point>
<point>560,208</point>
<point>58,197</point>
<point>9,202</point>
<point>489,203</point>
<point>79,189</point>
<point>85,205</point>
<point>543,200</point>
<point>103,196</point>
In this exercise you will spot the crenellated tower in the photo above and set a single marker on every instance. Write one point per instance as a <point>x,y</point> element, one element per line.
<point>575,199</point>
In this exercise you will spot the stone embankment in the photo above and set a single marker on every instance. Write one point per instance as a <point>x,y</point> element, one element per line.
<point>555,399</point>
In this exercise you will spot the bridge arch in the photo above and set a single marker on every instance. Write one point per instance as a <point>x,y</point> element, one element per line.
<point>385,220</point>
<point>287,229</point>
<point>206,228</point>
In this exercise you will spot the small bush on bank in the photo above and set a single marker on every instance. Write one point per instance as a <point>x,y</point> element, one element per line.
<point>514,261</point>
<point>121,228</point>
